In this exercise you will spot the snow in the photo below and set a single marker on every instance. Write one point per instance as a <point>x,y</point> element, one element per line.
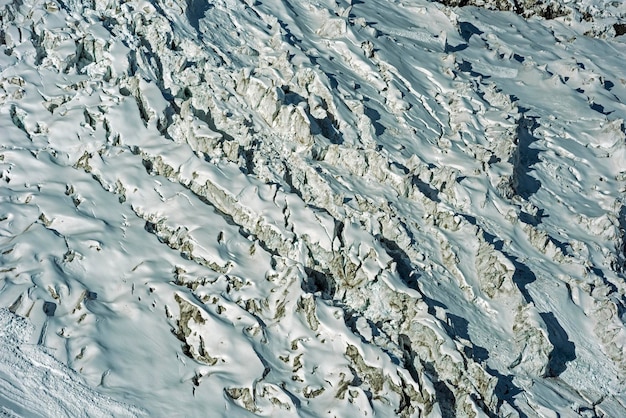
<point>35,384</point>
<point>277,208</point>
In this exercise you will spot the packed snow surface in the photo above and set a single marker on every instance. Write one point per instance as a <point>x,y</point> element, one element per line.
<point>312,208</point>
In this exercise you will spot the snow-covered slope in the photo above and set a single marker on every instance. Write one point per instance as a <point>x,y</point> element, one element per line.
<point>281,208</point>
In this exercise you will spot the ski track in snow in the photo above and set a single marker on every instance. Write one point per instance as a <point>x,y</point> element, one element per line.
<point>280,208</point>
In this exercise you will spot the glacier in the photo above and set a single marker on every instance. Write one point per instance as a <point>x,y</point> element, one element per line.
<point>318,208</point>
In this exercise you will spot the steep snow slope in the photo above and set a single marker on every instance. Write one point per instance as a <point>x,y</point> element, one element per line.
<point>312,208</point>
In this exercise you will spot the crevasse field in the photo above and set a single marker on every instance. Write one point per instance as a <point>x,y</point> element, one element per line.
<point>312,208</point>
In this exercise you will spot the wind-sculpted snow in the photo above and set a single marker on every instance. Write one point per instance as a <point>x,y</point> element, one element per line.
<point>596,18</point>
<point>277,208</point>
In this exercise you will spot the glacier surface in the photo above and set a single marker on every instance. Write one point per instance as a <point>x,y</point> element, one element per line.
<point>317,208</point>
